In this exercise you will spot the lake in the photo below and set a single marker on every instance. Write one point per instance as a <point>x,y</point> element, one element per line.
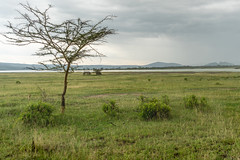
<point>143,70</point>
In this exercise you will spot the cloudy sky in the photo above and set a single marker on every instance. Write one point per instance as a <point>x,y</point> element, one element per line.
<point>190,32</point>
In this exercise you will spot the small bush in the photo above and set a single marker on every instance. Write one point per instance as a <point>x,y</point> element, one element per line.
<point>39,114</point>
<point>110,108</point>
<point>157,110</point>
<point>152,108</point>
<point>203,103</point>
<point>98,71</point>
<point>192,102</point>
<point>18,82</point>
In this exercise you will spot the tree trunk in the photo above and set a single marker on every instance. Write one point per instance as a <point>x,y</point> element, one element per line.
<point>63,103</point>
<point>64,89</point>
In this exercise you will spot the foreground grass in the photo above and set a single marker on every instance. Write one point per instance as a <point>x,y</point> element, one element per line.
<point>84,132</point>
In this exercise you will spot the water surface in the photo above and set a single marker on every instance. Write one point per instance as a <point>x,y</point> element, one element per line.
<point>140,70</point>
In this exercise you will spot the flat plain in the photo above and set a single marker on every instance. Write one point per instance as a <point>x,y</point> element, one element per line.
<point>85,132</point>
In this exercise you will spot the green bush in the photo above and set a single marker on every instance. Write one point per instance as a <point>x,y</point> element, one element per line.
<point>39,114</point>
<point>203,103</point>
<point>98,71</point>
<point>157,110</point>
<point>110,108</point>
<point>152,108</point>
<point>192,102</point>
<point>18,82</point>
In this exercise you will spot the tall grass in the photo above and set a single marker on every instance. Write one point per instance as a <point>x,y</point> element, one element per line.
<point>85,132</point>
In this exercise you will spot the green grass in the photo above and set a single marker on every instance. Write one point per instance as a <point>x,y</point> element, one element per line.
<point>85,132</point>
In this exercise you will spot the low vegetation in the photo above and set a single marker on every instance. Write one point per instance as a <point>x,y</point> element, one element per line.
<point>97,71</point>
<point>110,108</point>
<point>153,108</point>
<point>18,82</point>
<point>192,102</point>
<point>39,114</point>
<point>87,131</point>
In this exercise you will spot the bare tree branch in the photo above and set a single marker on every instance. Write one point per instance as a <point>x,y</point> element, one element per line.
<point>66,43</point>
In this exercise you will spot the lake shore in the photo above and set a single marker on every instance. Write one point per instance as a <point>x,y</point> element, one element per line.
<point>185,70</point>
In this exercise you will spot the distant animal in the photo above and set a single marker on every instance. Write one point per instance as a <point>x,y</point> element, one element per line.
<point>86,73</point>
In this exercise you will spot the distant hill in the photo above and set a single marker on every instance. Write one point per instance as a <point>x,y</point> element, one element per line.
<point>18,66</point>
<point>162,65</point>
<point>13,66</point>
<point>151,65</point>
<point>219,64</point>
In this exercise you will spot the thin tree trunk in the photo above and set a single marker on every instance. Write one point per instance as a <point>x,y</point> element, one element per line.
<point>64,89</point>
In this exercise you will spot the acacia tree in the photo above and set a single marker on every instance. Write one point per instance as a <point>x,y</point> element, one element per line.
<point>64,44</point>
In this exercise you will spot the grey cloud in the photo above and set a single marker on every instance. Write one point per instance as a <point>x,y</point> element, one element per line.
<point>152,17</point>
<point>197,27</point>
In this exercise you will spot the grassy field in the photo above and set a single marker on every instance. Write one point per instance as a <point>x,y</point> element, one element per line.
<point>85,132</point>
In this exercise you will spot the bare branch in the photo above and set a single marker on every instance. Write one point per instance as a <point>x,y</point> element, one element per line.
<point>64,44</point>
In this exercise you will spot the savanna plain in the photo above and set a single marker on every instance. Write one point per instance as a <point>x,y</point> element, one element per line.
<point>84,131</point>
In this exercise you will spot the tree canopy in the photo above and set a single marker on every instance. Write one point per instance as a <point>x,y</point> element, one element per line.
<point>64,44</point>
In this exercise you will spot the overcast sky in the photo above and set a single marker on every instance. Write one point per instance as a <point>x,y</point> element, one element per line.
<point>190,32</point>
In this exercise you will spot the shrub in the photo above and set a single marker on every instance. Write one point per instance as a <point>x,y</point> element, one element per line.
<point>39,114</point>
<point>98,71</point>
<point>151,108</point>
<point>192,102</point>
<point>157,110</point>
<point>203,103</point>
<point>18,82</point>
<point>110,108</point>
